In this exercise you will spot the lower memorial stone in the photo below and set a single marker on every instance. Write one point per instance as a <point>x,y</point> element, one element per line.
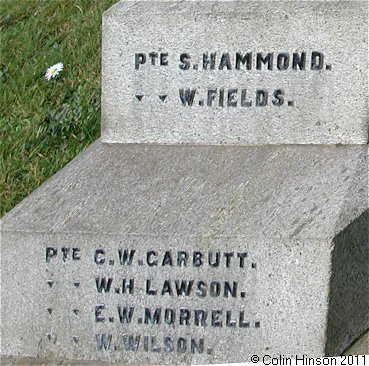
<point>183,254</point>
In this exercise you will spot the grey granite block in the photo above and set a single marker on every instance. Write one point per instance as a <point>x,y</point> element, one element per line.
<point>275,72</point>
<point>289,223</point>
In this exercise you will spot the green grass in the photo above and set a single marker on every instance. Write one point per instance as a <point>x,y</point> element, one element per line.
<point>45,124</point>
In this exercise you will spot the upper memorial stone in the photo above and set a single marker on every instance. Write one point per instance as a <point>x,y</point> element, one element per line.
<point>235,72</point>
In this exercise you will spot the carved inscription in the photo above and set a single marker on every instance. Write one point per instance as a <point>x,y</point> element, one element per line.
<point>119,276</point>
<point>240,96</point>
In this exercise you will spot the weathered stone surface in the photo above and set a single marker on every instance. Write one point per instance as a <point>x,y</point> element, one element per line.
<point>360,347</point>
<point>300,214</point>
<point>236,250</point>
<point>322,105</point>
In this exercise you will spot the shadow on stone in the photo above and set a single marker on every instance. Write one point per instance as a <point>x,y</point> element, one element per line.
<point>349,286</point>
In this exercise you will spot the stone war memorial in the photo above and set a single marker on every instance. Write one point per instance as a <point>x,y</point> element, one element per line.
<point>224,211</point>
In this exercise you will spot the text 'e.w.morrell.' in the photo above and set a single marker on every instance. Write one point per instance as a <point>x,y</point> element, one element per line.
<point>235,72</point>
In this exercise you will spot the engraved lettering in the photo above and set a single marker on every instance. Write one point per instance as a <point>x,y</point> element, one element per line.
<point>201,289</point>
<point>242,257</point>
<point>221,97</point>
<point>182,258</point>
<point>206,61</point>
<point>299,59</point>
<point>278,97</point>
<point>103,341</point>
<point>261,98</point>
<point>184,287</point>
<point>215,289</point>
<point>65,252</point>
<point>152,318</point>
<point>230,290</point>
<point>266,60</point>
<point>215,318</point>
<point>75,254</point>
<point>225,61</point>
<point>198,259</point>
<point>283,61</point>
<point>242,323</point>
<point>232,102</point>
<point>212,262</point>
<point>153,56</point>
<point>169,316</point>
<point>154,346</point>
<point>244,102</point>
<point>211,96</point>
<point>150,262</point>
<point>140,59</point>
<point>317,60</point>
<point>181,345</point>
<point>184,316</point>
<point>185,61</point>
<point>50,253</point>
<point>229,322</point>
<point>98,317</point>
<point>200,318</point>
<point>246,59</point>
<point>99,256</point>
<point>125,314</point>
<point>168,344</point>
<point>103,284</point>
<point>128,285</point>
<point>197,346</point>
<point>131,342</point>
<point>167,260</point>
<point>187,96</point>
<point>167,288</point>
<point>228,257</point>
<point>163,59</point>
<point>126,257</point>
<point>146,343</point>
<point>149,290</point>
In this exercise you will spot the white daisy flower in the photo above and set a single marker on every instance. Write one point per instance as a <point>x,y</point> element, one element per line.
<point>54,70</point>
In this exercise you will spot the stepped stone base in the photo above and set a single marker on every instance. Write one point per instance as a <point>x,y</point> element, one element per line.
<point>289,224</point>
